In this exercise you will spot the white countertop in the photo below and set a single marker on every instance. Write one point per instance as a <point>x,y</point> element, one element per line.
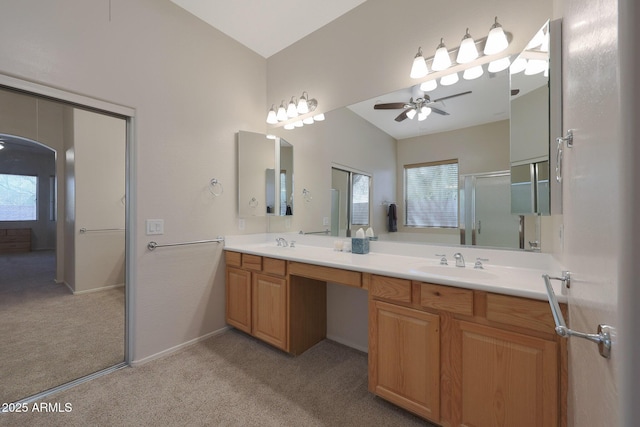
<point>507,272</point>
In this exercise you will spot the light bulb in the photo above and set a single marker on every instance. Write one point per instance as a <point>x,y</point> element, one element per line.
<point>536,40</point>
<point>441,60</point>
<point>307,120</point>
<point>281,115</point>
<point>518,65</point>
<point>467,51</point>
<point>429,85</point>
<point>303,107</point>
<point>271,116</point>
<point>535,66</point>
<point>496,40</point>
<point>449,79</point>
<point>292,109</point>
<point>499,65</point>
<point>419,67</point>
<point>424,113</point>
<point>289,126</point>
<point>411,113</point>
<point>298,123</point>
<point>318,117</point>
<point>473,72</point>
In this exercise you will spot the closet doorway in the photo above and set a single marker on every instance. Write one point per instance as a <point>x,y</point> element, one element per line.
<point>63,288</point>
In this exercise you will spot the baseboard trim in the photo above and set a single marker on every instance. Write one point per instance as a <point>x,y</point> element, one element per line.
<point>104,288</point>
<point>342,341</point>
<point>178,347</point>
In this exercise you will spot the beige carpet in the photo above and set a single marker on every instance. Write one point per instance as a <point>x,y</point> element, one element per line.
<point>48,335</point>
<point>229,380</point>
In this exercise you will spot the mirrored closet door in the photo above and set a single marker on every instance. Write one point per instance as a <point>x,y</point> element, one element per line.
<point>62,242</point>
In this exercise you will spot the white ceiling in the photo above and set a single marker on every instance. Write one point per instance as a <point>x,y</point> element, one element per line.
<point>264,26</point>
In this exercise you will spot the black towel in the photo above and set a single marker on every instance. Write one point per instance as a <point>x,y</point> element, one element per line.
<point>393,219</point>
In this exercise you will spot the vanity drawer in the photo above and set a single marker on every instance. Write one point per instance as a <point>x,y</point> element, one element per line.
<point>274,266</point>
<point>252,262</point>
<point>390,288</point>
<point>233,258</point>
<point>446,298</point>
<point>326,274</point>
<point>526,313</point>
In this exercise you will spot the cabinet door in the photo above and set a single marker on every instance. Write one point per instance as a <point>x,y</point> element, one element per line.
<point>238,306</point>
<point>404,357</point>
<point>270,310</point>
<point>506,378</point>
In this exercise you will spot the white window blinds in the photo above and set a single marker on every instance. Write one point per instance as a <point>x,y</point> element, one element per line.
<point>431,194</point>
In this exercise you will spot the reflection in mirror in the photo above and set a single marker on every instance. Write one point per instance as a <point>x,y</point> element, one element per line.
<point>350,201</point>
<point>62,286</point>
<point>529,135</point>
<point>262,191</point>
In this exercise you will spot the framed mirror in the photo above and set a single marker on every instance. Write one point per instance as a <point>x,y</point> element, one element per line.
<point>265,175</point>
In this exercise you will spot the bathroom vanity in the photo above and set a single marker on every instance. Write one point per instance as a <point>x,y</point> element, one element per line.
<point>455,346</point>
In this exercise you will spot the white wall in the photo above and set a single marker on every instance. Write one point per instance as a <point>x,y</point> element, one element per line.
<point>189,85</point>
<point>99,179</point>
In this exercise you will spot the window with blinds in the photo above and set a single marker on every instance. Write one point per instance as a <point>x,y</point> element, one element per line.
<point>360,199</point>
<point>431,194</point>
<point>18,197</point>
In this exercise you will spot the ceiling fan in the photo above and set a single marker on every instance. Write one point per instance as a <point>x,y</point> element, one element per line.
<point>415,105</point>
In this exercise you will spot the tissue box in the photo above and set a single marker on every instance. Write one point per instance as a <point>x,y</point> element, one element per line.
<point>359,246</point>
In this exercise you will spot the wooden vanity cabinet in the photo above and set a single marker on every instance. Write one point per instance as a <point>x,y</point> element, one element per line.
<point>257,297</point>
<point>460,357</point>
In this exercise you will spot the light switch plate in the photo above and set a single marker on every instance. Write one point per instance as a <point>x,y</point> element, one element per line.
<point>325,220</point>
<point>155,226</point>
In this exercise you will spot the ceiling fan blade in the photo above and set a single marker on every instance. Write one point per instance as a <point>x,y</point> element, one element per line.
<point>403,115</point>
<point>390,106</point>
<point>438,111</point>
<point>452,96</point>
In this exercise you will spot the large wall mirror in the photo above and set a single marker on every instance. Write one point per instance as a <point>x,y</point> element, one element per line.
<point>472,125</point>
<point>62,243</point>
<point>265,175</point>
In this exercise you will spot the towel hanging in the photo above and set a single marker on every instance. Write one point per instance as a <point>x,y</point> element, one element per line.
<point>393,218</point>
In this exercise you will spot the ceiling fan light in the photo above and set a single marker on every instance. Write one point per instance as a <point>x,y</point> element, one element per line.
<point>1,145</point>
<point>292,109</point>
<point>441,60</point>
<point>535,66</point>
<point>303,107</point>
<point>424,113</point>
<point>307,120</point>
<point>318,117</point>
<point>467,51</point>
<point>518,65</point>
<point>496,40</point>
<point>473,72</point>
<point>411,113</point>
<point>449,79</point>
<point>499,65</point>
<point>281,115</point>
<point>419,67</point>
<point>271,116</point>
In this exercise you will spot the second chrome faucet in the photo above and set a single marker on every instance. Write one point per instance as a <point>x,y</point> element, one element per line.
<point>459,259</point>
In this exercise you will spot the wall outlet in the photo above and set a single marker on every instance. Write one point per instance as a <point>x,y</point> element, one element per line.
<point>155,226</point>
<point>241,224</point>
<point>325,220</point>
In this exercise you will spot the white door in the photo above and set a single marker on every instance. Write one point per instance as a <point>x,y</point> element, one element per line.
<point>592,203</point>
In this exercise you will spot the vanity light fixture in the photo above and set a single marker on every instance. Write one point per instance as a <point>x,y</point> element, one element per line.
<point>308,120</point>
<point>419,68</point>
<point>535,66</point>
<point>518,65</point>
<point>467,51</point>
<point>290,116</point>
<point>496,40</point>
<point>441,60</point>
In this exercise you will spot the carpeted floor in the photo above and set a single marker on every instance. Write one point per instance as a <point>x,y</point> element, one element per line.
<point>48,335</point>
<point>228,380</point>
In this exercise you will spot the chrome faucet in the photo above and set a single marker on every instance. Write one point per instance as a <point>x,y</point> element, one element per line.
<point>459,259</point>
<point>281,242</point>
